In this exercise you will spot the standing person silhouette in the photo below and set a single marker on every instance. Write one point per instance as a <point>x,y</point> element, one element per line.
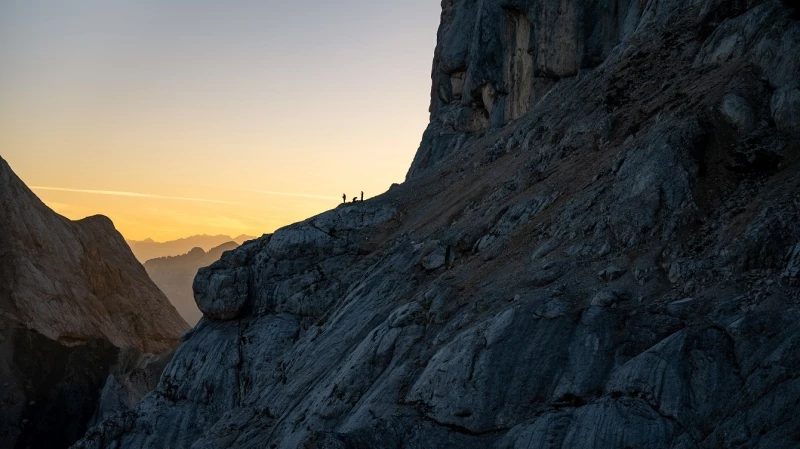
<point>344,198</point>
<point>362,195</point>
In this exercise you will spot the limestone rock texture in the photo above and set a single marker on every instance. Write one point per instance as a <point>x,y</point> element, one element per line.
<point>595,247</point>
<point>76,310</point>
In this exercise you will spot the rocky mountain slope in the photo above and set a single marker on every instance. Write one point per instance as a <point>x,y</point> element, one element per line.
<point>74,304</point>
<point>174,276</point>
<point>72,281</point>
<point>148,249</point>
<point>597,246</point>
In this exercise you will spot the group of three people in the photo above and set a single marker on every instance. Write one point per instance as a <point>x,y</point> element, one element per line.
<point>344,198</point>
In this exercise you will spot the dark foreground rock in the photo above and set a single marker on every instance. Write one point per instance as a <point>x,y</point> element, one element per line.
<point>596,247</point>
<point>52,393</point>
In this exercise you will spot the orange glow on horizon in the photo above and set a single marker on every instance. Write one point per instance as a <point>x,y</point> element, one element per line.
<point>220,119</point>
<point>140,216</point>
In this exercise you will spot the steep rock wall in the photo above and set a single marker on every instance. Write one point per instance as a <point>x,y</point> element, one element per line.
<point>494,60</point>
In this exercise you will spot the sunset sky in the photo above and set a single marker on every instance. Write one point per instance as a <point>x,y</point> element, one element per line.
<point>182,117</point>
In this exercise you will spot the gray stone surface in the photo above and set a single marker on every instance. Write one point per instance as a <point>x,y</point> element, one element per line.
<point>591,158</point>
<point>793,266</point>
<point>738,112</point>
<point>494,60</point>
<point>786,109</point>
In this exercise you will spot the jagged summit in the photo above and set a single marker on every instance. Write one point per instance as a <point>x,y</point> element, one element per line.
<point>73,281</point>
<point>597,246</point>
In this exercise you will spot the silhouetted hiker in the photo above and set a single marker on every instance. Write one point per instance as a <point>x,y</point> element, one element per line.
<point>344,198</point>
<point>362,195</point>
<point>355,198</point>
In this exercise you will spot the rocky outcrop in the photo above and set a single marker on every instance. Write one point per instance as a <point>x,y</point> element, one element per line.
<point>74,305</point>
<point>785,107</point>
<point>174,276</point>
<point>612,264</point>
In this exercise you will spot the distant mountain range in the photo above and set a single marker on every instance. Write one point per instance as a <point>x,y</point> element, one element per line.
<point>145,250</point>
<point>174,276</point>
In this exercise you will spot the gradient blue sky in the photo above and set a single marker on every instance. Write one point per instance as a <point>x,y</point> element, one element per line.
<point>268,110</point>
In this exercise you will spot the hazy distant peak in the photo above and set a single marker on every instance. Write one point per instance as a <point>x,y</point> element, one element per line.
<point>174,276</point>
<point>149,249</point>
<point>197,251</point>
<point>243,238</point>
<point>224,247</point>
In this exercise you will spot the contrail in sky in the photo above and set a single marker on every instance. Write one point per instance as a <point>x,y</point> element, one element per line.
<point>296,195</point>
<point>131,194</point>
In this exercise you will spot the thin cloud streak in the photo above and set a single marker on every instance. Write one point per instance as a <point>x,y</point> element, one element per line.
<point>296,195</point>
<point>131,194</point>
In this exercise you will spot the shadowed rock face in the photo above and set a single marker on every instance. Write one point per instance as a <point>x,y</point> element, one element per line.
<point>77,311</point>
<point>612,265</point>
<point>496,59</point>
<point>51,393</point>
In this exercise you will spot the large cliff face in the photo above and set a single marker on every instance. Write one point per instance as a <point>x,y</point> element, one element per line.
<point>495,60</point>
<point>608,258</point>
<point>77,311</point>
<point>73,281</point>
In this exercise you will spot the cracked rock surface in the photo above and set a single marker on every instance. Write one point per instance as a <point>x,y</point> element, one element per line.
<point>596,247</point>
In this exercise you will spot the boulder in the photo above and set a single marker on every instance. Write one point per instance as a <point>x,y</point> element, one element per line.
<point>605,298</point>
<point>738,112</point>
<point>434,260</point>
<point>221,293</point>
